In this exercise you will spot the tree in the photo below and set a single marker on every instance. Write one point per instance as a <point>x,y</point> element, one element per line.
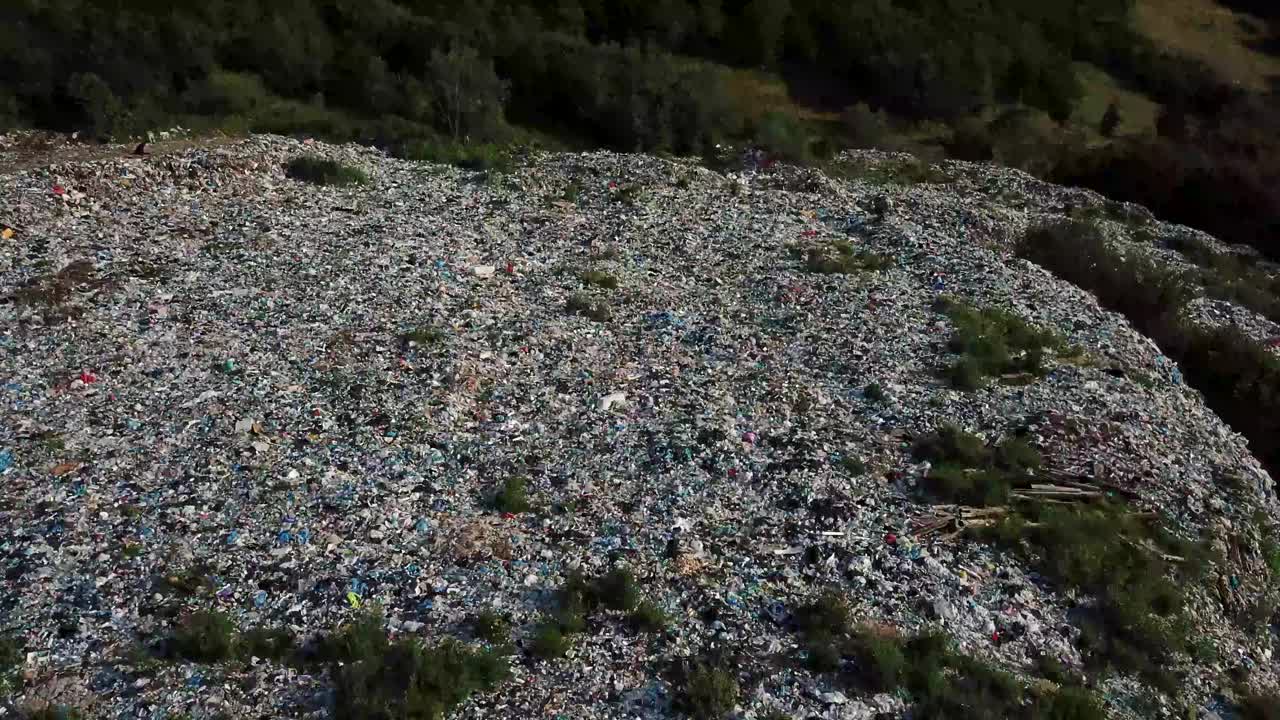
<point>764,23</point>
<point>469,94</point>
<point>1110,120</point>
<point>1172,123</point>
<point>866,128</point>
<point>103,111</point>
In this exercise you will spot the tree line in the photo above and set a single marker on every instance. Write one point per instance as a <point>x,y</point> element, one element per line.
<point>635,75</point>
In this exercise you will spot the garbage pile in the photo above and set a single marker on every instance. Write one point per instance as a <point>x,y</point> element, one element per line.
<point>228,390</point>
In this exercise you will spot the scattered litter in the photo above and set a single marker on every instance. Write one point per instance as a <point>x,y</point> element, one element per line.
<point>292,403</point>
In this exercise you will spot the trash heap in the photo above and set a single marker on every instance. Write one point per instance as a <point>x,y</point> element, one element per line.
<point>232,394</point>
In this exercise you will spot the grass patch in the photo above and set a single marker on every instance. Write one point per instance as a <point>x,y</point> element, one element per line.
<point>599,279</point>
<point>320,171</point>
<point>966,470</point>
<point>839,257</point>
<point>992,342</point>
<point>582,304</point>
<point>512,497</point>
<point>940,682</point>
<point>1123,561</point>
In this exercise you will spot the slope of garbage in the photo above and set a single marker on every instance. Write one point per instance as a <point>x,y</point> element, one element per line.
<point>226,389</point>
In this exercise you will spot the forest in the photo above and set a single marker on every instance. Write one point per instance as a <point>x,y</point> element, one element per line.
<point>423,77</point>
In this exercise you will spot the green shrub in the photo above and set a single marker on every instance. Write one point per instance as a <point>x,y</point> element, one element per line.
<point>599,279</point>
<point>874,393</point>
<point>362,638</point>
<point>11,658</point>
<point>784,136</point>
<point>824,623</point>
<point>709,693</point>
<point>482,157</point>
<point>1240,380</point>
<point>582,304</point>
<point>572,192</point>
<point>55,712</point>
<point>992,342</point>
<point>629,194</point>
<point>879,662</point>
<point>324,172</point>
<point>966,471</point>
<point>890,171</point>
<point>1137,623</point>
<point>840,258</point>
<point>204,636</point>
<point>648,617</point>
<point>952,446</point>
<point>942,683</point>
<point>1133,285</point>
<point>1228,276</point>
<point>853,465</point>
<point>865,128</point>
<point>1257,706</point>
<point>549,641</point>
<point>616,590</point>
<point>512,497</point>
<point>265,643</point>
<point>409,679</point>
<point>228,93</point>
<point>491,627</point>
<point>423,336</point>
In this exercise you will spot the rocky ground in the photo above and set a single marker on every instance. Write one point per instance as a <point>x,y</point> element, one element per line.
<point>224,389</point>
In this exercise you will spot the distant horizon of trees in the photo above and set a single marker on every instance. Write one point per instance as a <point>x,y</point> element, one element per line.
<point>645,75</point>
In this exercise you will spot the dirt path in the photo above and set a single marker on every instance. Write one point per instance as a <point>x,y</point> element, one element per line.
<point>26,150</point>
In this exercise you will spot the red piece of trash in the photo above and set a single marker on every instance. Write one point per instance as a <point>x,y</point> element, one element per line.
<point>87,377</point>
<point>511,269</point>
<point>508,515</point>
<point>59,190</point>
<point>612,185</point>
<point>891,539</point>
<point>810,233</point>
<point>995,637</point>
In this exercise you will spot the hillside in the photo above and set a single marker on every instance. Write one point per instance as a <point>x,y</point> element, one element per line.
<point>650,439</point>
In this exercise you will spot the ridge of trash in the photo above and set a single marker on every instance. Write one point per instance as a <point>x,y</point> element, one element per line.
<point>598,435</point>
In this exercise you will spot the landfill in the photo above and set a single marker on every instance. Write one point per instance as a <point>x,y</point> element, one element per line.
<point>308,395</point>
